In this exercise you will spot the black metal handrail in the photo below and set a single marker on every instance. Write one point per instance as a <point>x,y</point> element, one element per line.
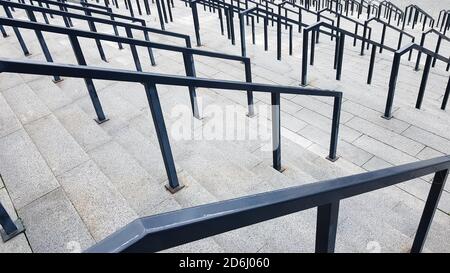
<point>389,8</point>
<point>394,74</point>
<point>90,18</point>
<point>443,21</point>
<point>149,80</point>
<point>419,15</point>
<point>436,50</point>
<point>383,33</point>
<point>338,55</point>
<point>73,35</point>
<point>163,231</point>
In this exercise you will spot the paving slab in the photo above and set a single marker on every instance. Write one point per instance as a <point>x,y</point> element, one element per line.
<point>53,225</point>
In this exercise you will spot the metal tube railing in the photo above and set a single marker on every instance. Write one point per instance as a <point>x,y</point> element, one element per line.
<point>163,231</point>
<point>149,80</point>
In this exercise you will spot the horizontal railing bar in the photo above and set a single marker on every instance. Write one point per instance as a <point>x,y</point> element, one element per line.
<point>203,221</point>
<point>94,19</point>
<point>120,16</point>
<point>390,26</point>
<point>424,50</point>
<point>113,38</point>
<point>351,34</point>
<point>34,67</point>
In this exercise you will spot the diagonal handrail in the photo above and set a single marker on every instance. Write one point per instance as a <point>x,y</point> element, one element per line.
<point>187,53</point>
<point>163,231</point>
<point>149,80</point>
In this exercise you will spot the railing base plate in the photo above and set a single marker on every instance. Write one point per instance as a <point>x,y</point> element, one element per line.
<point>101,121</point>
<point>174,190</point>
<point>282,169</point>
<point>388,118</point>
<point>20,229</point>
<point>60,80</point>
<point>332,159</point>
<point>251,115</point>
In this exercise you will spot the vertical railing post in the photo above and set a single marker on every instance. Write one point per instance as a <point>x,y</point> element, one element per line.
<point>163,138</point>
<point>392,85</point>
<point>326,227</point>
<point>428,212</point>
<point>89,83</point>
<point>438,45</point>
<point>149,49</point>
<point>419,53</point>
<point>446,95</point>
<point>383,35</point>
<point>3,31</point>
<point>196,22</point>
<point>9,228</point>
<point>278,37</point>
<point>340,56</point>
<point>304,58</point>
<point>242,33</point>
<point>276,131</point>
<point>97,41</point>
<point>17,33</point>
<point>190,71</point>
<point>43,44</point>
<point>160,16</point>
<point>371,64</point>
<point>266,38</point>
<point>313,46</point>
<point>332,156</point>
<point>134,52</point>
<point>423,82</point>
<point>248,78</point>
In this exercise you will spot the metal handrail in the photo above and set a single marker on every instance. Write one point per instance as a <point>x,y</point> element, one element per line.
<point>94,19</point>
<point>438,45</point>
<point>149,80</point>
<point>74,34</point>
<point>394,74</point>
<point>338,56</point>
<point>163,231</point>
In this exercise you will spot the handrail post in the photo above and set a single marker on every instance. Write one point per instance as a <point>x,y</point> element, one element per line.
<point>3,31</point>
<point>335,128</point>
<point>248,78</point>
<point>43,44</point>
<point>313,46</point>
<point>419,53</point>
<point>305,57</point>
<point>326,227</point>
<point>423,83</point>
<point>276,131</point>
<point>436,51</point>
<point>383,34</point>
<point>89,83</point>
<point>134,52</point>
<point>279,38</point>
<point>392,85</point>
<point>428,212</point>
<point>163,139</point>
<point>446,95</point>
<point>266,42</point>
<point>160,16</point>
<point>10,228</point>
<point>97,41</point>
<point>16,30</point>
<point>233,37</point>
<point>149,49</point>
<point>340,56</point>
<point>371,64</point>
<point>242,33</point>
<point>190,71</point>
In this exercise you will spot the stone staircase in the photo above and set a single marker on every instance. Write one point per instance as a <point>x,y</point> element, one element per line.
<point>74,182</point>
